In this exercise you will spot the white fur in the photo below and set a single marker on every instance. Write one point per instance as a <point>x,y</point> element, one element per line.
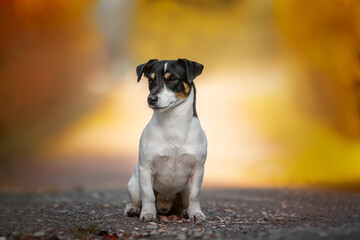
<point>172,154</point>
<point>167,99</point>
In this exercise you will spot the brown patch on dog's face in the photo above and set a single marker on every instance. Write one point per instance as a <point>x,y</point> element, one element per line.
<point>185,93</point>
<point>187,88</point>
<point>167,75</point>
<point>180,95</point>
<point>152,76</point>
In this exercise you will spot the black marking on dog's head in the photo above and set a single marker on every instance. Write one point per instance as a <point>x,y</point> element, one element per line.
<point>193,69</point>
<point>144,68</point>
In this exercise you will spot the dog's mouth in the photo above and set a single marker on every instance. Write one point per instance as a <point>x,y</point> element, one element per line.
<point>155,107</point>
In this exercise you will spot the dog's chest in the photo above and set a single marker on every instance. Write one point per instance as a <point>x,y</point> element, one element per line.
<point>174,161</point>
<point>173,168</point>
<point>171,149</point>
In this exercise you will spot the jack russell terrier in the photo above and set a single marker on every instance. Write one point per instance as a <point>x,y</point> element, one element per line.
<point>173,146</point>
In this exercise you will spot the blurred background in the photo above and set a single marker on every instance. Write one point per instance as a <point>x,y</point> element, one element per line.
<point>279,97</point>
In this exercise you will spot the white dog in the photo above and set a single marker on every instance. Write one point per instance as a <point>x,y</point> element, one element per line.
<point>173,147</point>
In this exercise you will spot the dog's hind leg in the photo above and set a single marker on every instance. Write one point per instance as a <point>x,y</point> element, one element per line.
<point>134,196</point>
<point>184,200</point>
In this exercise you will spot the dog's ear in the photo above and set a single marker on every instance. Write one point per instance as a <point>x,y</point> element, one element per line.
<point>193,69</point>
<point>144,68</point>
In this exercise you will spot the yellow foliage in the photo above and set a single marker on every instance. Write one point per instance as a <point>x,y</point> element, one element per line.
<point>327,35</point>
<point>206,31</point>
<point>313,153</point>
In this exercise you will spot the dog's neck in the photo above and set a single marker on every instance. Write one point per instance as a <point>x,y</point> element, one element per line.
<point>175,122</point>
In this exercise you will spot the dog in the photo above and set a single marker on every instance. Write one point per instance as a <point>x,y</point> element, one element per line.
<point>173,146</point>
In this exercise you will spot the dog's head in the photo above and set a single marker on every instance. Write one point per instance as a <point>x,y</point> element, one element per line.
<point>170,82</point>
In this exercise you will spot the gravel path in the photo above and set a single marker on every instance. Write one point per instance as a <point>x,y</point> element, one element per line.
<point>232,214</point>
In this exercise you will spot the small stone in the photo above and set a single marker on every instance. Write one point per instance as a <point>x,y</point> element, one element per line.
<point>199,222</point>
<point>151,226</point>
<point>265,215</point>
<point>144,234</point>
<point>198,235</point>
<point>279,219</point>
<point>163,219</point>
<point>161,231</point>
<point>39,233</point>
<point>62,211</point>
<point>173,217</point>
<point>154,232</point>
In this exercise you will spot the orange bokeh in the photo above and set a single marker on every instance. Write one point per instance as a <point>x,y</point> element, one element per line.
<point>278,97</point>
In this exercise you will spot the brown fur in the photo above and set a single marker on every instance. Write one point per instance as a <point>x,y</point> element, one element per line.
<point>187,88</point>
<point>167,75</point>
<point>185,93</point>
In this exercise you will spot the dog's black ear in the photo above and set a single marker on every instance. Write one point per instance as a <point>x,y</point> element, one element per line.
<point>193,69</point>
<point>144,68</point>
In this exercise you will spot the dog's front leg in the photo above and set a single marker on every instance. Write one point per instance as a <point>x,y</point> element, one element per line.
<point>194,211</point>
<point>148,211</point>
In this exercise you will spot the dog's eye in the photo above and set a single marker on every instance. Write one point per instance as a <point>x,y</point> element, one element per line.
<point>169,77</point>
<point>172,79</point>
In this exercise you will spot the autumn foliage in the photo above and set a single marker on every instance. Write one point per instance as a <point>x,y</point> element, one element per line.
<point>327,34</point>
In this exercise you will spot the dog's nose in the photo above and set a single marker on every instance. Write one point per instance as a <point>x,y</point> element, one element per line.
<point>152,100</point>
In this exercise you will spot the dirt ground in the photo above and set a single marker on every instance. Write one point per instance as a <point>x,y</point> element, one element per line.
<point>231,214</point>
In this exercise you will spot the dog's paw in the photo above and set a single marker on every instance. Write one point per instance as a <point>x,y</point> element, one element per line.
<point>132,211</point>
<point>147,217</point>
<point>184,213</point>
<point>196,216</point>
